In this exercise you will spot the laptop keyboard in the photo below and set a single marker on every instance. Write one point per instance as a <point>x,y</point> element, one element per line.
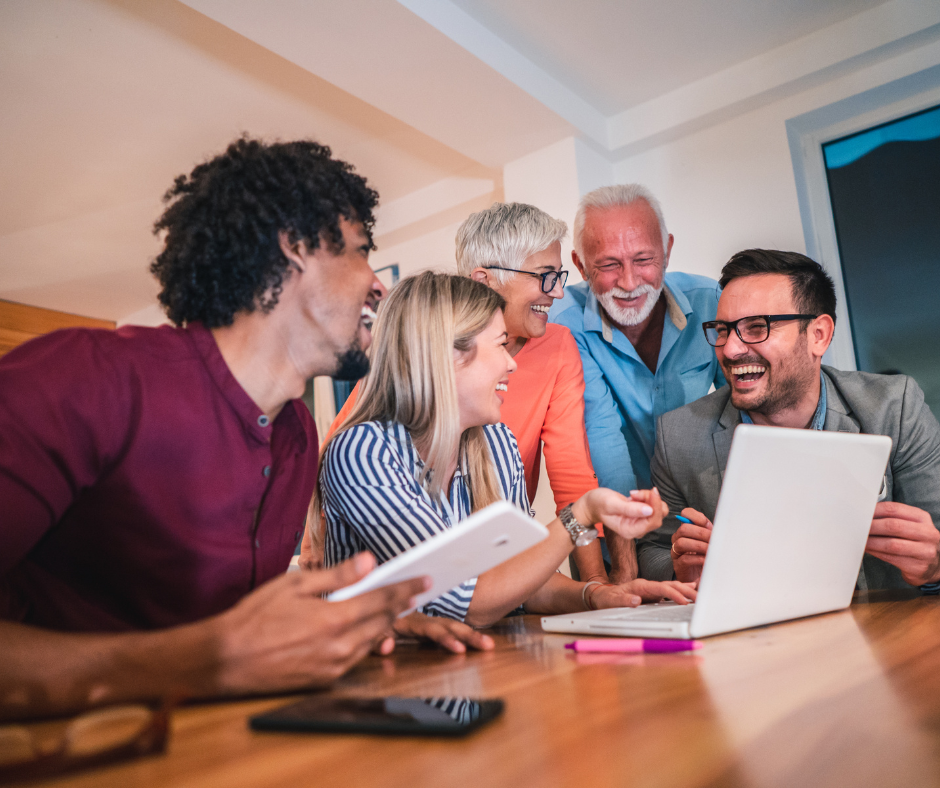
<point>665,611</point>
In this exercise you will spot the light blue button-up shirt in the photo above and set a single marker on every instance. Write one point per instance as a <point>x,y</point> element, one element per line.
<point>622,399</point>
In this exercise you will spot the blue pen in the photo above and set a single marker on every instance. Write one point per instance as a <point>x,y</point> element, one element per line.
<point>682,519</point>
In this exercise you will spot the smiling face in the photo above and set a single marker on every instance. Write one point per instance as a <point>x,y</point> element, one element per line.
<point>340,296</point>
<point>483,375</point>
<point>624,260</point>
<point>526,305</point>
<point>780,374</point>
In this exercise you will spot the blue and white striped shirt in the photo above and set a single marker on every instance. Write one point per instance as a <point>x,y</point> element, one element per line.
<point>373,501</point>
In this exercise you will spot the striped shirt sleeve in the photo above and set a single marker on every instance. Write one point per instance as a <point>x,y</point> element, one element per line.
<point>373,501</point>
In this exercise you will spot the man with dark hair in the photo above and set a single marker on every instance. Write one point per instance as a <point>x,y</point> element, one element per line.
<point>813,290</point>
<point>775,320</point>
<point>154,482</point>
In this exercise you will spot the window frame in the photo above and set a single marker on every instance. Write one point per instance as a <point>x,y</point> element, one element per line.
<point>806,134</point>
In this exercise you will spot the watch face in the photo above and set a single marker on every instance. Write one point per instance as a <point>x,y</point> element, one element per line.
<point>586,538</point>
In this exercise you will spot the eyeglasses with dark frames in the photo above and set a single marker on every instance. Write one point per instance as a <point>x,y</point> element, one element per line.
<point>750,330</point>
<point>549,278</point>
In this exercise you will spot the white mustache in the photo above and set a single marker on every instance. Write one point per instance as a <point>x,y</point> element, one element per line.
<point>629,315</point>
<point>619,292</point>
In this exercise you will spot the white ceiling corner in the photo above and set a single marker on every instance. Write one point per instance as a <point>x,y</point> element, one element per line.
<point>480,41</point>
<point>784,45</point>
<point>866,35</point>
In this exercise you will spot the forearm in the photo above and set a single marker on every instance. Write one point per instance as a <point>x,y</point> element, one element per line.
<point>559,594</point>
<point>311,546</point>
<point>518,579</point>
<point>508,585</point>
<point>44,673</point>
<point>282,636</point>
<point>623,563</point>
<point>590,562</point>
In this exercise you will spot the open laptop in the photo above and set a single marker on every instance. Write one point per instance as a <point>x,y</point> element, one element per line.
<point>789,534</point>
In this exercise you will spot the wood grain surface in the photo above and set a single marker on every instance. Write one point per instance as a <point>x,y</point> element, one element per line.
<point>844,699</point>
<point>19,323</point>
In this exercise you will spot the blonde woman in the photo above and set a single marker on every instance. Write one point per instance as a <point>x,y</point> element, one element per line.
<point>515,249</point>
<point>423,448</point>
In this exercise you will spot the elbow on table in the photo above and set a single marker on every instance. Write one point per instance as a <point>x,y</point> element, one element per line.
<point>485,617</point>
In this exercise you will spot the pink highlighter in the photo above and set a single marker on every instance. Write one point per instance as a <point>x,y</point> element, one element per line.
<point>654,646</point>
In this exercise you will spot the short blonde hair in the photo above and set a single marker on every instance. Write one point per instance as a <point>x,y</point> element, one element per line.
<point>505,234</point>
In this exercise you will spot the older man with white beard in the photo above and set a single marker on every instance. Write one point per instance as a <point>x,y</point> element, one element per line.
<point>638,332</point>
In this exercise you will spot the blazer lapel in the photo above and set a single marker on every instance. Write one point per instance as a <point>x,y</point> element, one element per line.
<point>838,418</point>
<point>724,432</point>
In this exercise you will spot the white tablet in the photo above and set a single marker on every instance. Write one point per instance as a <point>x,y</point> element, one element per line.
<point>484,540</point>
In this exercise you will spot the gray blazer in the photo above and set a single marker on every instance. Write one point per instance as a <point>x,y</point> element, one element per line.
<point>692,445</point>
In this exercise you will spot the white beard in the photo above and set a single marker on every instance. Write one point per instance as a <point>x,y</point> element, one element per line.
<point>629,316</point>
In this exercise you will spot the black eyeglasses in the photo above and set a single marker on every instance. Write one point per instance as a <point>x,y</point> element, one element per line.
<point>750,330</point>
<point>549,278</point>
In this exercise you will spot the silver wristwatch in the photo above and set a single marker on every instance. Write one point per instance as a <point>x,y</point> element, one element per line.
<point>581,535</point>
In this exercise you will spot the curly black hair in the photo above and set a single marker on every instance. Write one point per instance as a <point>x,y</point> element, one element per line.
<point>222,254</point>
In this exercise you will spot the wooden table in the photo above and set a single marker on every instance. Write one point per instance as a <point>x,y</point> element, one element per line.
<point>845,699</point>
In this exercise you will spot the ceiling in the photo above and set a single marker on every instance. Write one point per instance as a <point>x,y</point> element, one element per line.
<point>106,101</point>
<point>620,53</point>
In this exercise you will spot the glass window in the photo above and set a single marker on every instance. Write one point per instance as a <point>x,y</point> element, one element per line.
<point>884,184</point>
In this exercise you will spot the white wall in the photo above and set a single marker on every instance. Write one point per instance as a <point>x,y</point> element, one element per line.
<point>724,189</point>
<point>731,186</point>
<point>555,178</point>
<point>433,250</point>
<point>547,178</point>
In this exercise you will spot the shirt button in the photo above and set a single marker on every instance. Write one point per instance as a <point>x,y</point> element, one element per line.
<point>257,543</point>
<point>263,421</point>
<point>267,470</point>
<point>296,534</point>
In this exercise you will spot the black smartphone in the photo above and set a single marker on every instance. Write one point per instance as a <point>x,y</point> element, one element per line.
<point>443,716</point>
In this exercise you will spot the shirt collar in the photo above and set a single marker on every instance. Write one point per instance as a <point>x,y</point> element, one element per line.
<point>256,423</point>
<point>819,417</point>
<point>593,314</point>
<point>677,306</point>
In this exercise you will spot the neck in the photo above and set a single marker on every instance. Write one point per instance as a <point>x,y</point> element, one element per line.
<point>798,416</point>
<point>423,447</point>
<point>257,352</point>
<point>647,337</point>
<point>515,344</point>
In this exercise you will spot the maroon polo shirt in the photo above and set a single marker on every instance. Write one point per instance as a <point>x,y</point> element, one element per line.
<point>140,486</point>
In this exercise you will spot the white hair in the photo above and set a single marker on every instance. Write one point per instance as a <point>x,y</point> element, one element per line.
<point>617,196</point>
<point>505,234</point>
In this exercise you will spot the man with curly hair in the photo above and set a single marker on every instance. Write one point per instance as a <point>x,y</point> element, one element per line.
<point>154,481</point>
